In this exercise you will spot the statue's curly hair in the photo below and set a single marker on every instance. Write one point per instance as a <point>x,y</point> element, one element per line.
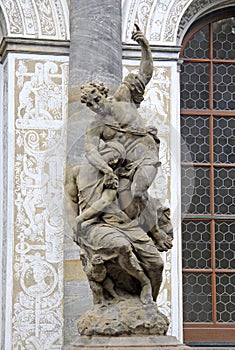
<point>85,89</point>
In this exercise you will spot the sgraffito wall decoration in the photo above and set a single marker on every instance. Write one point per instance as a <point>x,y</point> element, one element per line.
<point>157,18</point>
<point>36,18</point>
<point>33,151</point>
<point>161,20</point>
<point>196,8</point>
<point>40,140</point>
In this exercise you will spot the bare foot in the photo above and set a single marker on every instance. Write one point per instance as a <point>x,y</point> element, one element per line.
<point>146,294</point>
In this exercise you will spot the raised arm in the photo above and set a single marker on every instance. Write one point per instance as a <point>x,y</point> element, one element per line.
<point>146,63</point>
<point>133,86</point>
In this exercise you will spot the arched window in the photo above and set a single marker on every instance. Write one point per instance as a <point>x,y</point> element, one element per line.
<point>208,179</point>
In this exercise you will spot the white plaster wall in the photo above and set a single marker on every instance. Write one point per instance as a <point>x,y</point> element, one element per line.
<point>1,192</point>
<point>9,238</point>
<point>175,205</point>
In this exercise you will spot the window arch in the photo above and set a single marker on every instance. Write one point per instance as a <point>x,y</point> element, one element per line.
<point>208,178</point>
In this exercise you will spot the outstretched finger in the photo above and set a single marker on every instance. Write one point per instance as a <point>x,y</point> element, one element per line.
<point>137,27</point>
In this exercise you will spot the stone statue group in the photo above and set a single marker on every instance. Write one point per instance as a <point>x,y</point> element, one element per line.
<point>118,226</point>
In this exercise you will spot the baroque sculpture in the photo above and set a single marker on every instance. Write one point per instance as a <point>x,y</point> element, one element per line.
<point>118,226</point>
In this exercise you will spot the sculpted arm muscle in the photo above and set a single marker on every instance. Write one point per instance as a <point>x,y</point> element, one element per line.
<point>92,141</point>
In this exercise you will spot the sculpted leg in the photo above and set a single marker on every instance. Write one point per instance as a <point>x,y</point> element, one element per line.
<point>133,207</point>
<point>155,275</point>
<point>130,264</point>
<point>142,179</point>
<point>152,264</point>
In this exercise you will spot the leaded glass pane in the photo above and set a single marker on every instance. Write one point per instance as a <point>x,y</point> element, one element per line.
<point>195,190</point>
<point>224,191</point>
<point>224,39</point>
<point>224,86</point>
<point>224,140</point>
<point>195,86</point>
<point>208,190</point>
<point>225,297</point>
<point>196,245</point>
<point>225,245</point>
<point>197,298</point>
<point>195,137</point>
<point>198,45</point>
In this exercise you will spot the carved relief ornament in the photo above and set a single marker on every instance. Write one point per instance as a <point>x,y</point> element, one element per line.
<point>46,19</point>
<point>41,102</point>
<point>165,21</point>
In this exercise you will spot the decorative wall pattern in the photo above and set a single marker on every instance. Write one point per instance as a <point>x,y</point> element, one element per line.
<point>162,19</point>
<point>156,110</point>
<point>173,18</point>
<point>157,18</point>
<point>40,131</point>
<point>36,19</point>
<point>195,9</point>
<point>4,184</point>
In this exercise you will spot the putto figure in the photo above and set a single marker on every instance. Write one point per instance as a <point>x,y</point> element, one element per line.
<point>119,227</point>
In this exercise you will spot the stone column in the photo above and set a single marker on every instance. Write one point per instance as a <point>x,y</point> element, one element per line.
<point>95,55</point>
<point>95,52</point>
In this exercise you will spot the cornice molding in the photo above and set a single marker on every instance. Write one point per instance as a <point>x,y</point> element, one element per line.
<point>33,46</point>
<point>159,52</point>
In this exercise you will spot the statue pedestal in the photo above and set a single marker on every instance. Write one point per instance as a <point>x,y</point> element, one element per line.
<point>128,317</point>
<point>127,343</point>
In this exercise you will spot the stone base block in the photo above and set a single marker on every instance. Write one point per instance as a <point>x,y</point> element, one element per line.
<point>125,318</point>
<point>127,343</point>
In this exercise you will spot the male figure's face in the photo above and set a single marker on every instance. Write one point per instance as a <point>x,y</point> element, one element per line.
<point>96,101</point>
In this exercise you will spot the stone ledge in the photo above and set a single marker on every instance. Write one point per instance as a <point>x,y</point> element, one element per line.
<point>127,343</point>
<point>33,46</point>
